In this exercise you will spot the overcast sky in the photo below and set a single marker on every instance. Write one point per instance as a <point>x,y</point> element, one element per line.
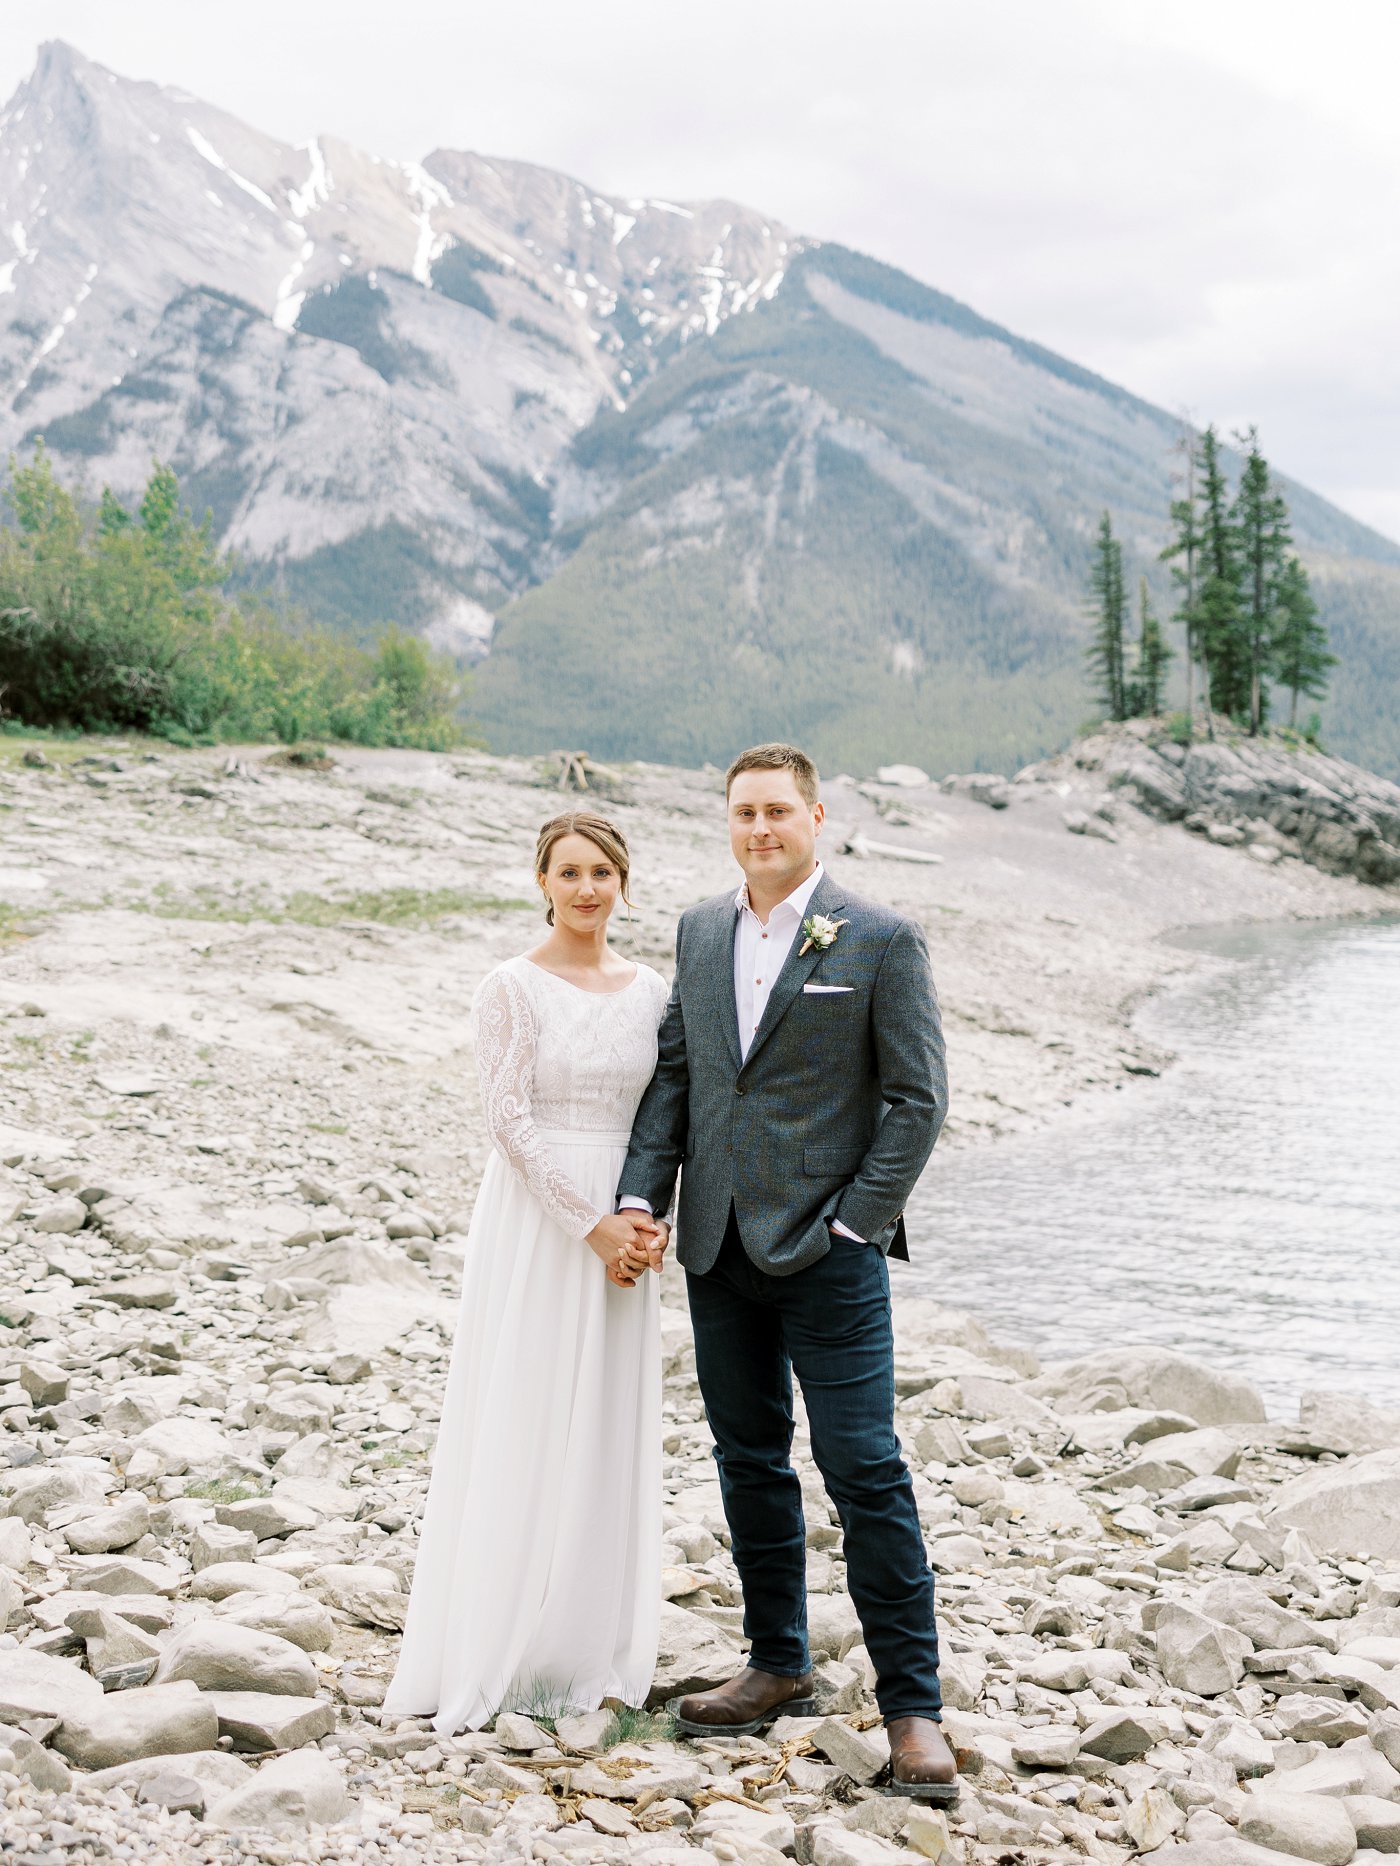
<point>1200,201</point>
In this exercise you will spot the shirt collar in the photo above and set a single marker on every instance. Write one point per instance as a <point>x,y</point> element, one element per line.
<point>798,900</point>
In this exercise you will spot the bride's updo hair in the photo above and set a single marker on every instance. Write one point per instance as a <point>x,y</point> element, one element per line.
<point>605,835</point>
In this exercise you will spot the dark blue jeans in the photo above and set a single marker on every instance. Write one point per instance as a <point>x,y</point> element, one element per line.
<point>829,1324</point>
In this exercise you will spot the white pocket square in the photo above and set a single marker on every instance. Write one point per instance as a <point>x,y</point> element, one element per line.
<point>827,990</point>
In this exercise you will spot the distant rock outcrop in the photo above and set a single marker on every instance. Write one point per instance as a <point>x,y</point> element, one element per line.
<point>1260,794</point>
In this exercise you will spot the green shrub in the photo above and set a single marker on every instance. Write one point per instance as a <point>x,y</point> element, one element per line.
<point>121,621</point>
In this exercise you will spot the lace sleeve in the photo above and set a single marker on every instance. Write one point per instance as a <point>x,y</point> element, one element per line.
<point>505,1055</point>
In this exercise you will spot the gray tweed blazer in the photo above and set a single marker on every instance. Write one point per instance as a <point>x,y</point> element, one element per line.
<point>833,1113</point>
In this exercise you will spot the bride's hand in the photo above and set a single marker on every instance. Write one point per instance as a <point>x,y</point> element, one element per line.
<point>621,1239</point>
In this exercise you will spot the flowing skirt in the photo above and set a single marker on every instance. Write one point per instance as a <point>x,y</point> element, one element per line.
<point>538,1579</point>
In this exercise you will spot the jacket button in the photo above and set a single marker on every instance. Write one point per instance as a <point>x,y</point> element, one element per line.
<point>739,1089</point>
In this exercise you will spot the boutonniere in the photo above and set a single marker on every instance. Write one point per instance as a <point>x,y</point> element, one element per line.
<point>820,932</point>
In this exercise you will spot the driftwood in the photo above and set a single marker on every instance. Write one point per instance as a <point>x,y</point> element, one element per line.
<point>573,769</point>
<point>861,846</point>
<point>577,771</point>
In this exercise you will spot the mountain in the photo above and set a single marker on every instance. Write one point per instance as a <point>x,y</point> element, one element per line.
<point>690,478</point>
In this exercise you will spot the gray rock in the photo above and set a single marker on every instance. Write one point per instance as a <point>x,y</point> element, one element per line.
<point>583,1735</point>
<point>34,1684</point>
<point>265,1518</point>
<point>150,1721</point>
<point>1123,1735</point>
<point>692,1655</point>
<point>239,1577</point>
<point>140,1292</point>
<point>220,1655</point>
<point>37,1764</point>
<point>832,1843</point>
<point>1384,1733</point>
<point>45,1384</point>
<point>1350,1509</point>
<point>262,1720</point>
<point>1154,1379</point>
<point>1075,1671</point>
<point>215,1769</point>
<point>1310,1827</point>
<point>119,1655</point>
<point>186,1444</point>
<point>306,1622</point>
<point>522,1733</point>
<point>833,1625</point>
<point>1046,1746</point>
<point>220,1542</point>
<point>1303,1718</point>
<point>176,1793</point>
<point>116,1528</point>
<point>1233,1601</point>
<point>126,1574</point>
<point>1376,1821</point>
<point>837,1688</point>
<point>62,1217</point>
<point>1152,1819</point>
<point>288,1792</point>
<point>860,1754</point>
<point>29,1493</point>
<point>1198,1654</point>
<point>1176,1459</point>
<point>16,1543</point>
<point>1342,1423</point>
<point>1240,1746</point>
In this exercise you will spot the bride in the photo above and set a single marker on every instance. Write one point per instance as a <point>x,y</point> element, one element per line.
<point>537,1583</point>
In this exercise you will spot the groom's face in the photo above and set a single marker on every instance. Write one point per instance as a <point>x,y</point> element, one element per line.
<point>773,830</point>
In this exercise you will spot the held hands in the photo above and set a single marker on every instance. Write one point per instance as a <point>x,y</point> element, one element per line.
<point>629,1243</point>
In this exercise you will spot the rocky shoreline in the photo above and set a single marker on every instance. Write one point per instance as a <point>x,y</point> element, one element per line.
<point>238,1147</point>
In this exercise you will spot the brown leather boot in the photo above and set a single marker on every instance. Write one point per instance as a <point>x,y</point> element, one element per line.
<point>921,1764</point>
<point>747,1703</point>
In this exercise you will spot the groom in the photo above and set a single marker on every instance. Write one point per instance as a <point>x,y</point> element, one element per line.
<point>799,1090</point>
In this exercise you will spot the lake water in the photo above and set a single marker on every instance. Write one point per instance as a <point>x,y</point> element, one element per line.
<point>1245,1209</point>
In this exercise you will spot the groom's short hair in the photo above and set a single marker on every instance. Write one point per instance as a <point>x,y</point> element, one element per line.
<point>777,758</point>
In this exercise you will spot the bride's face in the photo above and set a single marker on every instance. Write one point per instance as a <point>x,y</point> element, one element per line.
<point>581,884</point>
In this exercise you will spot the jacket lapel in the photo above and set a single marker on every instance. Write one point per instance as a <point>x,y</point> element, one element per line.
<point>798,966</point>
<point>720,966</point>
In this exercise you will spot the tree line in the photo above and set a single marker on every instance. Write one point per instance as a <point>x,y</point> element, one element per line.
<point>126,619</point>
<point>1247,615</point>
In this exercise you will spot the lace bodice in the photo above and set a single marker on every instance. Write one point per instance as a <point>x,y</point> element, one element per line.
<point>552,1056</point>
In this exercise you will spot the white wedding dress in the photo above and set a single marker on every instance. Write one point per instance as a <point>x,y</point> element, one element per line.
<point>538,1578</point>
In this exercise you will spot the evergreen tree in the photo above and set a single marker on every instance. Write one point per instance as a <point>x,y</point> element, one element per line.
<point>1260,522</point>
<point>1183,553</point>
<point>1105,651</point>
<point>1153,653</point>
<point>1220,620</point>
<point>1300,654</point>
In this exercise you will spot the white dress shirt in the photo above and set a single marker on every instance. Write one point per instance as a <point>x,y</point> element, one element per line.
<point>760,953</point>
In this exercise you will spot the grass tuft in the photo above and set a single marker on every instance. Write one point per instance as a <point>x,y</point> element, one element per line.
<point>223,1490</point>
<point>630,1725</point>
<point>412,907</point>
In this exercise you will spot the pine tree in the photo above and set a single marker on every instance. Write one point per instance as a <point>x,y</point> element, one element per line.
<point>1153,653</point>
<point>1260,521</point>
<point>1223,641</point>
<point>1105,651</point>
<point>1300,654</point>
<point>1183,554</point>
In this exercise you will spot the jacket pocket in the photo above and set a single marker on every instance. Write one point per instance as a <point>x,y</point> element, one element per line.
<point>832,1162</point>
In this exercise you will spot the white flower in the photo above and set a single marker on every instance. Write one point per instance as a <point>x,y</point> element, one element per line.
<point>820,932</point>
